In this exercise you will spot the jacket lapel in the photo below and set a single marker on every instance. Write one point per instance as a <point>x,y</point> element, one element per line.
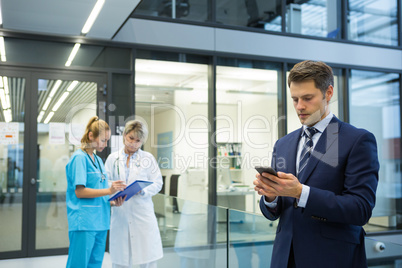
<point>293,142</point>
<point>325,150</point>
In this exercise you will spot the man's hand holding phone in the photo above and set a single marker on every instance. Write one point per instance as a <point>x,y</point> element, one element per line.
<point>263,182</point>
<point>269,170</point>
<point>273,184</point>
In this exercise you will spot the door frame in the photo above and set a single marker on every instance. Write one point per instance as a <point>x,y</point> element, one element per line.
<point>29,196</point>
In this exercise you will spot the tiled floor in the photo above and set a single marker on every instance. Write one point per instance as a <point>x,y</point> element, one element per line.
<point>39,262</point>
<point>45,262</point>
<point>60,261</point>
<point>169,260</point>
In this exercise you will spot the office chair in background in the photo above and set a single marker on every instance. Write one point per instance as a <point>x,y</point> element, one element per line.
<point>173,189</point>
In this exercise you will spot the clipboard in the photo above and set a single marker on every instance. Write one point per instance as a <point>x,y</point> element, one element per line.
<point>132,189</point>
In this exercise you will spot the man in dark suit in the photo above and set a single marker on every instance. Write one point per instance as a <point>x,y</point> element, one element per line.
<point>325,187</point>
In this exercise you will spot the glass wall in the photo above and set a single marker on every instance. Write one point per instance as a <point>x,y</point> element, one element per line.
<point>12,115</point>
<point>247,127</point>
<point>315,17</point>
<point>373,21</point>
<point>375,106</point>
<point>192,10</point>
<point>251,13</point>
<point>171,96</point>
<point>251,240</point>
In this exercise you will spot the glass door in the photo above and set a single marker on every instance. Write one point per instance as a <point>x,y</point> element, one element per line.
<point>12,164</point>
<point>65,103</point>
<point>64,107</point>
<point>42,118</point>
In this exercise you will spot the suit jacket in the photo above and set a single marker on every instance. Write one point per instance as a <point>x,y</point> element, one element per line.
<point>342,174</point>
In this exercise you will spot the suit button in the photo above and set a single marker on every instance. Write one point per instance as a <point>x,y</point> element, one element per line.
<point>295,204</point>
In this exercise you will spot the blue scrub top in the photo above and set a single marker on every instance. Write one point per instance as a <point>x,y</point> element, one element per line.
<point>86,214</point>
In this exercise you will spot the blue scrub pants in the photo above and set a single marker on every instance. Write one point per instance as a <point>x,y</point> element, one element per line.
<point>86,249</point>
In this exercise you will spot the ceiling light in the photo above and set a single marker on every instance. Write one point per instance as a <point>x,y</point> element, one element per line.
<point>48,117</point>
<point>2,49</point>
<point>240,73</point>
<point>163,88</point>
<point>72,54</point>
<point>60,101</point>
<point>92,17</point>
<point>250,92</point>
<point>218,103</point>
<point>40,116</point>
<point>55,88</point>
<point>44,108</point>
<point>7,116</point>
<point>5,84</point>
<point>8,101</point>
<point>3,99</point>
<point>1,81</point>
<point>72,85</point>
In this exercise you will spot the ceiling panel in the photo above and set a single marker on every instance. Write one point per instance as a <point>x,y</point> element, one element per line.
<point>47,16</point>
<point>65,17</point>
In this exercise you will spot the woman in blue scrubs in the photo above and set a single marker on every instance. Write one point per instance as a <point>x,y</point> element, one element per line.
<point>88,209</point>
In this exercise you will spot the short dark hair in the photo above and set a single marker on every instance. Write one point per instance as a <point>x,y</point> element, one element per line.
<point>316,71</point>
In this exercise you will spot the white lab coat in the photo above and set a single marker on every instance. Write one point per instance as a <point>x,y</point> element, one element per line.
<point>133,227</point>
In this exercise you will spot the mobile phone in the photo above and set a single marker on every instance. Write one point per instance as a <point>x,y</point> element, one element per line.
<point>269,170</point>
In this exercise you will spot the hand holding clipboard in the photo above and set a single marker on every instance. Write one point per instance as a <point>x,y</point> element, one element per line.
<point>131,189</point>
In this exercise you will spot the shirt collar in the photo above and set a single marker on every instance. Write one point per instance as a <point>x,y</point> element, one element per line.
<point>125,155</point>
<point>322,124</point>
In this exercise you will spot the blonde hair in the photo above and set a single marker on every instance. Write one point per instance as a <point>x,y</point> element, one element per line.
<point>96,126</point>
<point>139,128</point>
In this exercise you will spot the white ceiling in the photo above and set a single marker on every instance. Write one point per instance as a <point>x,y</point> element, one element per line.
<point>65,17</point>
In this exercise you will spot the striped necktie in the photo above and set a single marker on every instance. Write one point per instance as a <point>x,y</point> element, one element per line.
<point>307,147</point>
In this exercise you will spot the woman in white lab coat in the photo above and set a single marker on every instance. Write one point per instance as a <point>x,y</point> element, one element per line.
<point>134,232</point>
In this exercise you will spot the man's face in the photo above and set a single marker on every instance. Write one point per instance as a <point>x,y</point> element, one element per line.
<point>310,104</point>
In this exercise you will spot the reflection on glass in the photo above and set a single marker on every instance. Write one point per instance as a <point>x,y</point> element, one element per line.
<point>246,122</point>
<point>192,10</point>
<point>373,21</point>
<point>250,239</point>
<point>12,110</point>
<point>251,13</point>
<point>194,234</point>
<point>314,17</point>
<point>207,236</point>
<point>63,111</point>
<point>375,106</point>
<point>172,98</point>
<point>293,121</point>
